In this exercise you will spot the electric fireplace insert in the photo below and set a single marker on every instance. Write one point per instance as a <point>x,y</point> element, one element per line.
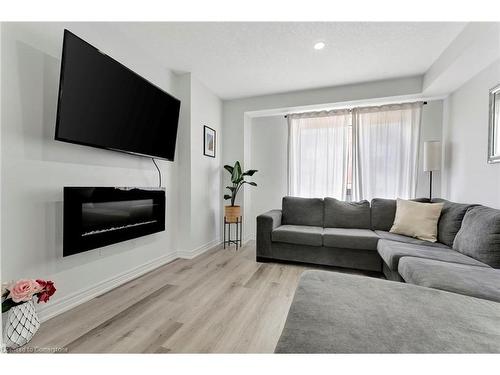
<point>99,216</point>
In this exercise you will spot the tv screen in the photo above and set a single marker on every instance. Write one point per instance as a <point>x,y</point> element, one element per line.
<point>104,104</point>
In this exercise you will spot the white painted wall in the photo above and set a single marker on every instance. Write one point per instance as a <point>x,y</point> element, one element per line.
<point>431,130</point>
<point>468,177</point>
<point>35,167</point>
<point>183,161</point>
<point>234,110</point>
<point>199,176</point>
<point>475,48</point>
<point>206,217</point>
<point>269,155</point>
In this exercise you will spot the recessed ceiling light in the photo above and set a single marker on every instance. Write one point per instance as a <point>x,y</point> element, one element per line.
<point>319,45</point>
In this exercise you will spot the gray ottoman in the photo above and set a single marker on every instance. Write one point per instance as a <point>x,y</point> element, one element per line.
<point>338,313</point>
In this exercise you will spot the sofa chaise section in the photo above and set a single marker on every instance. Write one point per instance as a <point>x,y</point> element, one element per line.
<point>392,251</point>
<point>467,234</point>
<point>464,279</point>
<point>338,313</point>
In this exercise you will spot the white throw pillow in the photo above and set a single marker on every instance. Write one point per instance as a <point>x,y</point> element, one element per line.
<point>415,219</point>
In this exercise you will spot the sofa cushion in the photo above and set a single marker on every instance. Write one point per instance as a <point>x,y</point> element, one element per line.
<point>417,219</point>
<point>400,238</point>
<point>472,281</point>
<point>339,214</point>
<point>383,212</point>
<point>333,312</point>
<point>479,235</point>
<point>302,211</point>
<point>392,251</point>
<point>450,220</point>
<point>298,234</point>
<point>347,238</point>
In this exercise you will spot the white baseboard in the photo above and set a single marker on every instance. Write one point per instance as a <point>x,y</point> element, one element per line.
<point>70,301</point>
<point>190,254</point>
<point>248,238</point>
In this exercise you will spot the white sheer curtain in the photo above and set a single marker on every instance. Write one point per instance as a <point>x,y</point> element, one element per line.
<point>318,154</point>
<point>385,151</point>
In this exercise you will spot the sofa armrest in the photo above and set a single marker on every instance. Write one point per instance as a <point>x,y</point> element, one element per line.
<point>266,223</point>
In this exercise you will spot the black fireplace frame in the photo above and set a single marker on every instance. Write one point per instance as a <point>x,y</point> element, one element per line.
<point>74,199</point>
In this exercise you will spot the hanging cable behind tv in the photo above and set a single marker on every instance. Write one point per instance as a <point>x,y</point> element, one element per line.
<point>159,172</point>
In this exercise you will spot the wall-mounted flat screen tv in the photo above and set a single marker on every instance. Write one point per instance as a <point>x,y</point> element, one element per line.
<point>104,104</point>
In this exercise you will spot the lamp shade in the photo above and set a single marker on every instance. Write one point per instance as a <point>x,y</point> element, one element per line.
<point>432,156</point>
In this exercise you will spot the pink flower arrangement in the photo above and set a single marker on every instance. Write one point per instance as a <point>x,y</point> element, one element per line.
<point>24,290</point>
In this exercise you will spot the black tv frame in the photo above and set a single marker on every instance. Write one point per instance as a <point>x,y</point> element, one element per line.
<point>60,93</point>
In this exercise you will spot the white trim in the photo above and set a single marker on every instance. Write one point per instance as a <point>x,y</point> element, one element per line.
<point>399,99</point>
<point>248,238</point>
<point>72,300</point>
<point>190,254</point>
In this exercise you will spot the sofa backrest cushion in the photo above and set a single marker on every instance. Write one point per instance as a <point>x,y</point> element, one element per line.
<point>450,220</point>
<point>340,214</point>
<point>302,211</point>
<point>383,212</point>
<point>479,235</point>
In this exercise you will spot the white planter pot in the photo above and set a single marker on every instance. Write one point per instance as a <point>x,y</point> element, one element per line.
<point>20,324</point>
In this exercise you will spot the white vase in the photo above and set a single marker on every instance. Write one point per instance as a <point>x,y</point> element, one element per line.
<point>20,325</point>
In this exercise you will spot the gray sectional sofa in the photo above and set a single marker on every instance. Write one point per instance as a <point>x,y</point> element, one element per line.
<point>356,235</point>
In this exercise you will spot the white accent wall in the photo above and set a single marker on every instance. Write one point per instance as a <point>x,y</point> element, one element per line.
<point>35,168</point>
<point>469,178</point>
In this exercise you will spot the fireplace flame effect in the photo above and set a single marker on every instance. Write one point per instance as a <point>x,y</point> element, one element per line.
<point>117,228</point>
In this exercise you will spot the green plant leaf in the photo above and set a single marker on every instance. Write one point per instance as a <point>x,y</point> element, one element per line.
<point>227,196</point>
<point>232,188</point>
<point>228,168</point>
<point>250,172</point>
<point>236,173</point>
<point>250,183</point>
<point>8,304</point>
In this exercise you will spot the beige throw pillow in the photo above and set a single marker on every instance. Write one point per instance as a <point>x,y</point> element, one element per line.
<point>415,219</point>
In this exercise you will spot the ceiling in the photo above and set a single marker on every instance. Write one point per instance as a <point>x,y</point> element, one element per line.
<point>256,58</point>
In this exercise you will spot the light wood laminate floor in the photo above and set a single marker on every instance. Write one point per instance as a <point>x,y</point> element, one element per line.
<point>221,301</point>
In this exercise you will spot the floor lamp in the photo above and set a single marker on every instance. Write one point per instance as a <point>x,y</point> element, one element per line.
<point>432,160</point>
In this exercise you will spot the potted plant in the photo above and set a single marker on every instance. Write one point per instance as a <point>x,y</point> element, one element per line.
<point>233,212</point>
<point>21,319</point>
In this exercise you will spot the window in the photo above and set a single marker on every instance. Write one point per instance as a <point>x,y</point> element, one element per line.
<point>360,154</point>
<point>320,152</point>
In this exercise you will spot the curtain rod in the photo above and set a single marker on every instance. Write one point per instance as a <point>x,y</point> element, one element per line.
<point>350,109</point>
